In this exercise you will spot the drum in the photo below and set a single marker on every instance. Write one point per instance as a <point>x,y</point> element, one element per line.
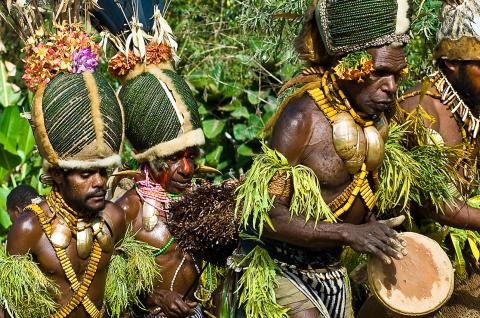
<point>416,285</point>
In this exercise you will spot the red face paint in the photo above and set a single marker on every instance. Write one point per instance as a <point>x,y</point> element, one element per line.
<point>186,165</point>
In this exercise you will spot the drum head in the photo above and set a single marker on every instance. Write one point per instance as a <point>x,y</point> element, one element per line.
<point>416,285</point>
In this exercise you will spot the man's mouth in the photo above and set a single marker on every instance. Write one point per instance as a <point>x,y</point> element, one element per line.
<point>180,184</point>
<point>98,196</point>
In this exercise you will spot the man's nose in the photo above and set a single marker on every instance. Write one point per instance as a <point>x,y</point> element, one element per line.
<point>390,85</point>
<point>185,168</point>
<point>99,181</point>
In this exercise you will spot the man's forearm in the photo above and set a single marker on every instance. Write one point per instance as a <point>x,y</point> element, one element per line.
<point>294,230</point>
<point>459,215</point>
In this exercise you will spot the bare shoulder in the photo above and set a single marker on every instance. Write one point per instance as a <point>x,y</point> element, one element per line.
<point>432,106</point>
<point>25,233</point>
<point>295,126</point>
<point>130,203</point>
<point>116,219</point>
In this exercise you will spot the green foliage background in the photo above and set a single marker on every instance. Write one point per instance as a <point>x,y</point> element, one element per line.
<point>235,54</point>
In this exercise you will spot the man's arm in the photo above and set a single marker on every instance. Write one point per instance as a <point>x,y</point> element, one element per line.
<point>459,214</point>
<point>291,136</point>
<point>115,216</point>
<point>24,234</point>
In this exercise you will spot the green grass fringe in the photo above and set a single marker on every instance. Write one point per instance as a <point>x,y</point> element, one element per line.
<point>132,272</point>
<point>254,201</point>
<point>425,172</point>
<point>25,292</point>
<point>257,286</point>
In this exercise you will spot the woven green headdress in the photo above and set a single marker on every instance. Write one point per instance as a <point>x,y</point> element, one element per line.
<point>161,115</point>
<point>76,117</point>
<point>78,122</point>
<point>350,25</point>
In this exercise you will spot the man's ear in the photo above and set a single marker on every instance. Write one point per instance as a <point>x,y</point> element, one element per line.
<point>452,65</point>
<point>57,175</point>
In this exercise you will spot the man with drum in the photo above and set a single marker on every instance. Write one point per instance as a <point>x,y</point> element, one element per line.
<point>328,135</point>
<point>452,105</point>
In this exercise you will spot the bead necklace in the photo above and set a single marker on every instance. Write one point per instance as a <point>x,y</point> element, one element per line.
<point>151,192</point>
<point>338,98</point>
<point>68,223</point>
<point>163,249</point>
<point>80,288</point>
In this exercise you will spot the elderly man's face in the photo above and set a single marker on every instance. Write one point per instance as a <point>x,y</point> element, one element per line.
<point>377,93</point>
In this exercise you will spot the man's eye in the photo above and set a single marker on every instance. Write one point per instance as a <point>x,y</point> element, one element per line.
<point>381,73</point>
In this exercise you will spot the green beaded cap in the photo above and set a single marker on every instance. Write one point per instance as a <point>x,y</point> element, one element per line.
<point>78,122</point>
<point>161,114</point>
<point>350,25</point>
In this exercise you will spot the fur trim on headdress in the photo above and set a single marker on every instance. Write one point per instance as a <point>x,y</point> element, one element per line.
<point>190,139</point>
<point>112,161</point>
<point>403,23</point>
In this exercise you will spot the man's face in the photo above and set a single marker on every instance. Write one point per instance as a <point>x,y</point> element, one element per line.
<point>177,173</point>
<point>465,78</point>
<point>83,190</point>
<point>377,93</point>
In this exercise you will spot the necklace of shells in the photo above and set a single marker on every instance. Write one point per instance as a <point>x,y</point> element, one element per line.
<point>67,223</point>
<point>358,142</point>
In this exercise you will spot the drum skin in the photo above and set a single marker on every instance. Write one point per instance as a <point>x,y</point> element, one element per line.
<point>416,285</point>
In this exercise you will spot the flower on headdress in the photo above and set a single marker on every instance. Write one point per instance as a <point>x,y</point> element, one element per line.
<point>155,54</point>
<point>84,60</point>
<point>66,49</point>
<point>355,66</point>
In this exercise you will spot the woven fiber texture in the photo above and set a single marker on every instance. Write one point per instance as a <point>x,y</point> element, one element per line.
<point>160,113</point>
<point>82,123</point>
<point>459,34</point>
<point>350,25</point>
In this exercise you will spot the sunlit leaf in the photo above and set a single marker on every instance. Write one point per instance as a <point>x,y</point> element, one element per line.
<point>213,127</point>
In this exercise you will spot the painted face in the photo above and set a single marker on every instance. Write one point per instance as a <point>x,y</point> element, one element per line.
<point>178,169</point>
<point>377,93</point>
<point>83,190</point>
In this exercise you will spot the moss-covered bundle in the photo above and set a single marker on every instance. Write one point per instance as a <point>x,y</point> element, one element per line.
<point>25,292</point>
<point>203,222</point>
<point>257,286</point>
<point>78,122</point>
<point>132,272</point>
<point>254,200</point>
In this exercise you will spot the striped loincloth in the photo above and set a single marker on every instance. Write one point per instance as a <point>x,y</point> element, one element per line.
<point>328,290</point>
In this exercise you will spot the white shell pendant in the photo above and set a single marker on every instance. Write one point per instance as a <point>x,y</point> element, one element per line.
<point>84,240</point>
<point>149,217</point>
<point>61,234</point>
<point>103,235</point>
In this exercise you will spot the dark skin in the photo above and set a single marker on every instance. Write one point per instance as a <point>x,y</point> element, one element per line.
<point>465,78</point>
<point>83,190</point>
<point>175,178</point>
<point>304,136</point>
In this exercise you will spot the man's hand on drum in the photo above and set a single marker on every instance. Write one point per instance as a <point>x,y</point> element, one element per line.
<point>377,239</point>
